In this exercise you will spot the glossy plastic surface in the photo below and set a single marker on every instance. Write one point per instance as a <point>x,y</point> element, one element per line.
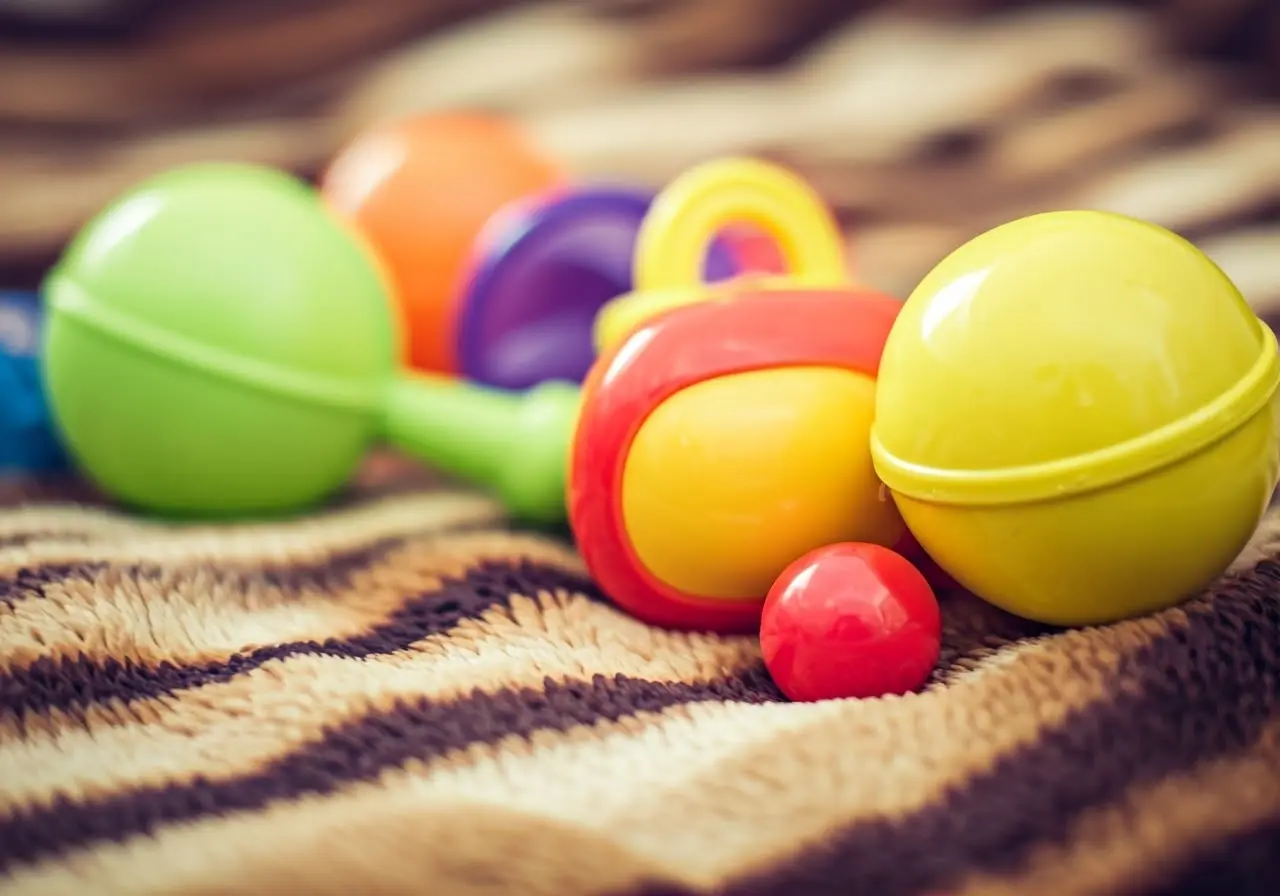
<point>732,478</point>
<point>706,200</point>
<point>28,440</point>
<point>220,344</point>
<point>850,620</point>
<point>767,331</point>
<point>542,269</point>
<point>1111,553</point>
<point>515,443</point>
<point>217,344</point>
<point>1075,412</point>
<point>422,189</point>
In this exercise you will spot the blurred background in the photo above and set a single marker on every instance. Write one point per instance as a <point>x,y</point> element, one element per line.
<point>922,121</point>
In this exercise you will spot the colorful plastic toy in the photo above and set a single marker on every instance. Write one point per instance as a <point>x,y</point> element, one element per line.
<point>1076,415</point>
<point>28,442</point>
<point>754,198</point>
<point>727,434</point>
<point>543,268</point>
<point>219,343</point>
<point>421,189</point>
<point>850,620</point>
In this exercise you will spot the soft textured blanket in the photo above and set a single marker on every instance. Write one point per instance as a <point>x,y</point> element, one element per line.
<point>398,696</point>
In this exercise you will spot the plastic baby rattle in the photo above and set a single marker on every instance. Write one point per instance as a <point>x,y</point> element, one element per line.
<point>724,429</point>
<point>1076,414</point>
<point>220,343</point>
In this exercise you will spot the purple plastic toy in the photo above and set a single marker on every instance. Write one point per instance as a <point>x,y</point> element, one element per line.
<point>543,269</point>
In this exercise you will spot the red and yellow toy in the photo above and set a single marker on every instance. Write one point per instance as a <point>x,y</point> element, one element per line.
<point>420,190</point>
<point>723,432</point>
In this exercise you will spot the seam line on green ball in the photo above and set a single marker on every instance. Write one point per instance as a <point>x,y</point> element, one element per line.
<point>65,297</point>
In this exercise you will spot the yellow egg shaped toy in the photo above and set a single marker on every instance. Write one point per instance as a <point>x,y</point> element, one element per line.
<point>1076,416</point>
<point>723,431</point>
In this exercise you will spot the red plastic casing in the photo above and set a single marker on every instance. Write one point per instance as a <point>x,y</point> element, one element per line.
<point>842,328</point>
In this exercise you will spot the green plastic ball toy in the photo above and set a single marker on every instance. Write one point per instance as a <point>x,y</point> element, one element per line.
<point>220,344</point>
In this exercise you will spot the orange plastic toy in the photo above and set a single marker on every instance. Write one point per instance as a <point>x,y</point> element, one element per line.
<point>420,190</point>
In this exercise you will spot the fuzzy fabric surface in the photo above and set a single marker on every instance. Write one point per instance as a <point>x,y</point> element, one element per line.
<point>402,696</point>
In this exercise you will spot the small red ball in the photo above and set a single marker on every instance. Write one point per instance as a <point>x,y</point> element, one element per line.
<point>850,620</point>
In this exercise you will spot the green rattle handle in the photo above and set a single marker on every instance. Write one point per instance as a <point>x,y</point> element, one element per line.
<point>515,443</point>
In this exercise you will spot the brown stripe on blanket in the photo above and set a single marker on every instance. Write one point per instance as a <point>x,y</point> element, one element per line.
<point>395,847</point>
<point>548,779</point>
<point>43,582</point>
<point>361,751</point>
<point>1202,690</point>
<point>209,734</point>
<point>127,662</point>
<point>83,544</point>
<point>340,593</point>
<point>46,625</point>
<point>31,581</point>
<point>1126,846</point>
<point>1244,864</point>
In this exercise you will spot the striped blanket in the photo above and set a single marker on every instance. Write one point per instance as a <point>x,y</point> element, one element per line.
<point>401,696</point>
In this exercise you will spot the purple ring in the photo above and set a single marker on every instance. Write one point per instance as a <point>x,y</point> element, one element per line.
<point>543,269</point>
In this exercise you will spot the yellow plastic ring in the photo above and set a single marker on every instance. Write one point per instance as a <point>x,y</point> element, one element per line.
<point>687,215</point>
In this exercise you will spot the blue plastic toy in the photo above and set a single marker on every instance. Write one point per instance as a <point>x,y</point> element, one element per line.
<point>28,441</point>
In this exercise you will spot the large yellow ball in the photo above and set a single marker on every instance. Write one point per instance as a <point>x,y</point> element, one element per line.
<point>1076,416</point>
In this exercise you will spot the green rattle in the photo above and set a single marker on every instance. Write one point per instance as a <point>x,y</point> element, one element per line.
<point>219,344</point>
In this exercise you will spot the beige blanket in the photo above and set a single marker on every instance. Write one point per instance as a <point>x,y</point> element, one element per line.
<point>401,696</point>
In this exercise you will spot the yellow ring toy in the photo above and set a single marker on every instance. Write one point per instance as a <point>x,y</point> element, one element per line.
<point>687,215</point>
